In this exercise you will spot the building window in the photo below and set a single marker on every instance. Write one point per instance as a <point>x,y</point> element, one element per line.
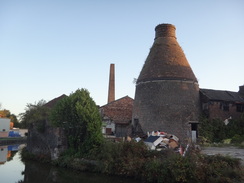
<point>205,106</point>
<point>224,106</point>
<point>239,107</point>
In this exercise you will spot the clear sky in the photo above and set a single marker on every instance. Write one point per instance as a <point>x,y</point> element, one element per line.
<point>49,48</point>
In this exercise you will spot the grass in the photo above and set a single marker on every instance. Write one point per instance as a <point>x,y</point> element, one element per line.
<point>131,159</point>
<point>237,145</point>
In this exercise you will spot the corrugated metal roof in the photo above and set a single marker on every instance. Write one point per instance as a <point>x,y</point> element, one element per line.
<point>222,95</point>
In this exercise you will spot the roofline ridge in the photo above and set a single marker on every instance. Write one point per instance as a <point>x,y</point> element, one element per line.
<point>117,100</point>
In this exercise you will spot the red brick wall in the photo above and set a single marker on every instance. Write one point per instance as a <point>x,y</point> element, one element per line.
<point>215,111</point>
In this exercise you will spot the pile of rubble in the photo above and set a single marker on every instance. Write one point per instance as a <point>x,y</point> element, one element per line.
<point>157,140</point>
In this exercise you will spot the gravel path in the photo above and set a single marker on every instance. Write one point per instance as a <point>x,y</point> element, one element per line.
<point>230,151</point>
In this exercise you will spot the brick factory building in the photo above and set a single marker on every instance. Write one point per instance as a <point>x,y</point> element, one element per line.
<point>222,104</point>
<point>117,116</point>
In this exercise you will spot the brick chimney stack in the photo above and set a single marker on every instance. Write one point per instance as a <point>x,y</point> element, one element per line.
<point>111,87</point>
<point>241,90</point>
<point>165,30</point>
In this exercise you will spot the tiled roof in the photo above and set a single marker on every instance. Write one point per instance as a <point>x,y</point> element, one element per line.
<point>53,102</point>
<point>119,111</point>
<point>222,95</point>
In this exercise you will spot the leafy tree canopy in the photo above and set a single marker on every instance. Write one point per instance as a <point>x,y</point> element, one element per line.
<point>7,114</point>
<point>79,116</point>
<point>34,113</point>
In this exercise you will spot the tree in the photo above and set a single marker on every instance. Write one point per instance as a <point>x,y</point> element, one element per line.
<point>215,130</point>
<point>79,116</point>
<point>7,114</point>
<point>14,119</point>
<point>34,113</point>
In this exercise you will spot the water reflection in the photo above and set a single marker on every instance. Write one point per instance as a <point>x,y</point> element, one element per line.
<point>7,153</point>
<point>13,170</point>
<point>39,173</point>
<point>11,167</point>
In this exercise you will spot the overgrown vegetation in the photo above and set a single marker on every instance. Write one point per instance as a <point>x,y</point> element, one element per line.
<point>88,151</point>
<point>26,155</point>
<point>132,159</point>
<point>35,113</point>
<point>79,116</point>
<point>215,130</point>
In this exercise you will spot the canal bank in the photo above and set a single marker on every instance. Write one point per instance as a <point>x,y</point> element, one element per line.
<point>14,170</point>
<point>133,160</point>
<point>13,140</point>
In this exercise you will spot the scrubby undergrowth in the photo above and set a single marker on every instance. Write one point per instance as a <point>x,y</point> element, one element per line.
<point>216,131</point>
<point>134,160</point>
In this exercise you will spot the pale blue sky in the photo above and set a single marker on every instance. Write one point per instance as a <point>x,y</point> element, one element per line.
<point>49,48</point>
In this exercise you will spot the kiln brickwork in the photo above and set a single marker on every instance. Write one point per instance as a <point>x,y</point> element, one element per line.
<point>167,91</point>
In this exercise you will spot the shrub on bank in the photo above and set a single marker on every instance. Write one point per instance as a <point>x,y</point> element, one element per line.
<point>172,168</point>
<point>215,130</point>
<point>134,160</point>
<point>131,159</point>
<point>79,116</point>
<point>237,138</point>
<point>26,155</point>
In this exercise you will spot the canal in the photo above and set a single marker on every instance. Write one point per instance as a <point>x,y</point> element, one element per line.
<point>13,170</point>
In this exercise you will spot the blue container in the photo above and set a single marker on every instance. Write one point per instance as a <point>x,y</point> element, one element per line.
<point>14,134</point>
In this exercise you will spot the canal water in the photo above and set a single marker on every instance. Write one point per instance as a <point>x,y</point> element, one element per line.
<point>13,170</point>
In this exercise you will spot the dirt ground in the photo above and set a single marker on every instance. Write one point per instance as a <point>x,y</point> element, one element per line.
<point>230,151</point>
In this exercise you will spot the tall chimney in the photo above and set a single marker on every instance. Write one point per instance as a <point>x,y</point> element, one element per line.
<point>111,87</point>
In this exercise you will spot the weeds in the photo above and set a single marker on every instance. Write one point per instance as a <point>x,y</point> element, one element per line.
<point>131,159</point>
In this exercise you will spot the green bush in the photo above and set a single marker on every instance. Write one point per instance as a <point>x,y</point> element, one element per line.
<point>182,169</point>
<point>131,159</point>
<point>173,168</point>
<point>124,158</point>
<point>26,155</point>
<point>216,131</point>
<point>79,116</point>
<point>218,169</point>
<point>40,126</point>
<point>237,138</point>
<point>156,171</point>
